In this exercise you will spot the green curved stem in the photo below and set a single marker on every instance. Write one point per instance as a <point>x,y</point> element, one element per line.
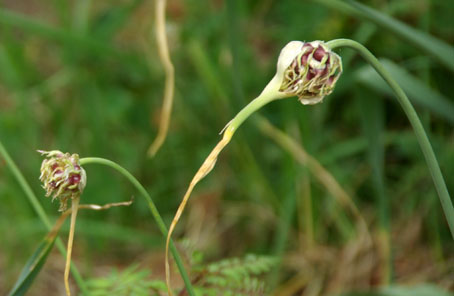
<point>40,212</point>
<point>418,128</point>
<point>154,211</point>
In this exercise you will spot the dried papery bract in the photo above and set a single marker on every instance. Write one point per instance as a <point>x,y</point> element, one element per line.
<point>307,70</point>
<point>164,56</point>
<point>64,179</point>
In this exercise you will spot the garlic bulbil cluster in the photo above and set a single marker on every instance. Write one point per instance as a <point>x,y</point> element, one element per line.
<point>62,176</point>
<point>308,70</point>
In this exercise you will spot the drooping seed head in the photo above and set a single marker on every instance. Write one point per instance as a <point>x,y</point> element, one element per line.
<point>62,176</point>
<point>309,70</point>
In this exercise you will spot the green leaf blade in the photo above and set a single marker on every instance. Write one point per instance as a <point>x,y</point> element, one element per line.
<point>33,267</point>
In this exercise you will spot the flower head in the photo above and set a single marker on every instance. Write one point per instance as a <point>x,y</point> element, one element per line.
<point>62,176</point>
<point>309,70</point>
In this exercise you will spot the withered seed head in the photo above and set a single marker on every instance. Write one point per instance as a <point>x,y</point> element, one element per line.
<point>312,73</point>
<point>62,176</point>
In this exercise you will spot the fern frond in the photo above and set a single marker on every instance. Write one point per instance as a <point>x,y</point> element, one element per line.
<point>228,277</point>
<point>237,276</point>
<point>129,282</point>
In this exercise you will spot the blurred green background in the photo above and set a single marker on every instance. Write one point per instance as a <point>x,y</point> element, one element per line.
<point>84,77</point>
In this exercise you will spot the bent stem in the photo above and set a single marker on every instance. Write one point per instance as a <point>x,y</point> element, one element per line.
<point>164,56</point>
<point>74,207</point>
<point>154,211</point>
<point>270,93</point>
<point>418,128</point>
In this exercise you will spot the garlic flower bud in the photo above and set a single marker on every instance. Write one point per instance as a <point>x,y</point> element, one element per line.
<point>308,70</point>
<point>62,176</point>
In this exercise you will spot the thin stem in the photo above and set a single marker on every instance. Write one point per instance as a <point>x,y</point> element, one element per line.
<point>74,207</point>
<point>154,211</point>
<point>39,211</point>
<point>269,94</point>
<point>418,128</point>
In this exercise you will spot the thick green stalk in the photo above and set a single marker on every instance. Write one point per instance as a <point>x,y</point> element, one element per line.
<point>154,211</point>
<point>269,94</point>
<point>418,128</point>
<point>40,212</point>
